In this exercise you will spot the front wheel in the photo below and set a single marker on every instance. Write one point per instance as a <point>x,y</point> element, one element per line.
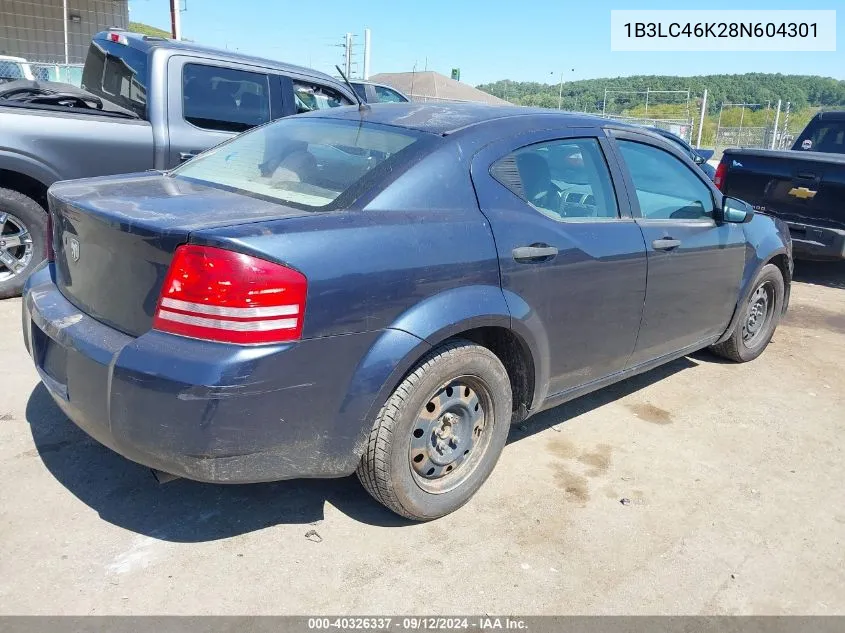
<point>22,240</point>
<point>439,435</point>
<point>757,323</point>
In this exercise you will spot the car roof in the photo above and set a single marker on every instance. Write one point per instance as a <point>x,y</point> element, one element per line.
<point>147,43</point>
<point>448,118</point>
<point>10,58</point>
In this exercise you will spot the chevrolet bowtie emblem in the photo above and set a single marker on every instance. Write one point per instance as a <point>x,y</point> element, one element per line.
<point>802,192</point>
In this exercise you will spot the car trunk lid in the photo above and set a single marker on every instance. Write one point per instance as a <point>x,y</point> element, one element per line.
<point>114,238</point>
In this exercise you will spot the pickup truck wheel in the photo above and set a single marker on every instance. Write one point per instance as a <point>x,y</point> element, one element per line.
<point>439,435</point>
<point>22,240</point>
<point>760,318</point>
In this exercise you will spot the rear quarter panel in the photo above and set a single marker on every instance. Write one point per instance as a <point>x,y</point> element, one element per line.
<point>416,263</point>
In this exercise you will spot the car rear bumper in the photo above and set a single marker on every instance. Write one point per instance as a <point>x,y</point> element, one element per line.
<point>204,411</point>
<point>816,242</point>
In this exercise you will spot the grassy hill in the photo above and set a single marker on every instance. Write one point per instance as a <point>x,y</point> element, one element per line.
<point>146,29</point>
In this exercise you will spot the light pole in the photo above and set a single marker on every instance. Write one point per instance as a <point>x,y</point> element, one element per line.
<point>560,90</point>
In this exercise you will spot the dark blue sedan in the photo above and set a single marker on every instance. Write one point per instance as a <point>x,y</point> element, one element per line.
<point>386,291</point>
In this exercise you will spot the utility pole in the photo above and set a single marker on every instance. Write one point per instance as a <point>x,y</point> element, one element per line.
<point>348,55</point>
<point>367,41</point>
<point>560,92</point>
<point>65,20</point>
<point>775,129</point>
<point>701,118</point>
<point>175,20</point>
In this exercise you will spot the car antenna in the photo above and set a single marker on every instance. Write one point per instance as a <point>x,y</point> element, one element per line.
<point>362,107</point>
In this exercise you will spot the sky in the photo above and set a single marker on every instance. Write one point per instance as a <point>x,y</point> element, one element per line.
<point>523,40</point>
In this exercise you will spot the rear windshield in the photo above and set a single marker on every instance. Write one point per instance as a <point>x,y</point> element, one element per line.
<point>823,136</point>
<point>117,73</point>
<point>305,162</point>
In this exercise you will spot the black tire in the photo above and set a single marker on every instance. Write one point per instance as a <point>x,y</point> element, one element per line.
<point>741,347</point>
<point>26,211</point>
<point>386,469</point>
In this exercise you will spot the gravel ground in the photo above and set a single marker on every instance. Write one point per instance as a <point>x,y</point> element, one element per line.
<point>732,475</point>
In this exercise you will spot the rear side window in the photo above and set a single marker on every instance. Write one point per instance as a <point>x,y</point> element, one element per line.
<point>226,99</point>
<point>117,73</point>
<point>310,97</point>
<point>823,136</point>
<point>304,162</point>
<point>566,180</point>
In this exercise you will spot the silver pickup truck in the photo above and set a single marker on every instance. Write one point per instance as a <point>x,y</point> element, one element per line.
<point>145,103</point>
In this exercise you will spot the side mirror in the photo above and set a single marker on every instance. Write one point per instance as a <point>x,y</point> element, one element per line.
<point>698,159</point>
<point>736,211</point>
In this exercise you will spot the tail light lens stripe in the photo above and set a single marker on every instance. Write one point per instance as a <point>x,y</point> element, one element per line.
<point>215,294</point>
<point>239,313</point>
<point>232,326</point>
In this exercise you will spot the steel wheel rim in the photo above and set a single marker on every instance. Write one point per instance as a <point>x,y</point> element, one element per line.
<point>758,314</point>
<point>15,246</point>
<point>450,435</point>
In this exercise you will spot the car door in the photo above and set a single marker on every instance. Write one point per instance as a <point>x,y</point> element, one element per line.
<point>210,101</point>
<point>572,260</point>
<point>695,264</point>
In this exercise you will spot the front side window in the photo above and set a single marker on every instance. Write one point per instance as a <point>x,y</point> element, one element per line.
<point>566,180</point>
<point>666,188</point>
<point>310,97</point>
<point>308,162</point>
<point>225,99</point>
<point>386,95</point>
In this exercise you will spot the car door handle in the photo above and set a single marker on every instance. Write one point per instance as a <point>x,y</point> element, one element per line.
<point>534,253</point>
<point>807,175</point>
<point>183,156</point>
<point>666,244</point>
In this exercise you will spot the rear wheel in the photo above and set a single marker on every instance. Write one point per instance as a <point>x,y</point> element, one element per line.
<point>439,435</point>
<point>22,240</point>
<point>761,316</point>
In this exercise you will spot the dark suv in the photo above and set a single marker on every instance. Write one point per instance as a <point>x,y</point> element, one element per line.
<point>386,290</point>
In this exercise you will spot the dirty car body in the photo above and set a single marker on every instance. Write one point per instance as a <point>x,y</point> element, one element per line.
<point>433,237</point>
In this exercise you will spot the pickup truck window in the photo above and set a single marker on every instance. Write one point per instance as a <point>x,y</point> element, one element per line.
<point>823,136</point>
<point>311,97</point>
<point>307,163</point>
<point>117,73</point>
<point>226,99</point>
<point>566,180</point>
<point>666,187</point>
<point>10,71</point>
<point>386,95</point>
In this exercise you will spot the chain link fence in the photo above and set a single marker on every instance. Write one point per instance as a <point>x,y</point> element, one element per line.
<point>754,125</point>
<point>11,70</point>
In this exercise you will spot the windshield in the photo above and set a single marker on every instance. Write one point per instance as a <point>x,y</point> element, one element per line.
<point>823,136</point>
<point>117,73</point>
<point>306,162</point>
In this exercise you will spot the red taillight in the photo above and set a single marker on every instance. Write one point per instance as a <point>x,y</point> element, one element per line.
<point>51,254</point>
<point>219,295</point>
<point>719,178</point>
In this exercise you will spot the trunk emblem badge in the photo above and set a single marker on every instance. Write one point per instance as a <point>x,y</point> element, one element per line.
<point>802,193</point>
<point>74,249</point>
